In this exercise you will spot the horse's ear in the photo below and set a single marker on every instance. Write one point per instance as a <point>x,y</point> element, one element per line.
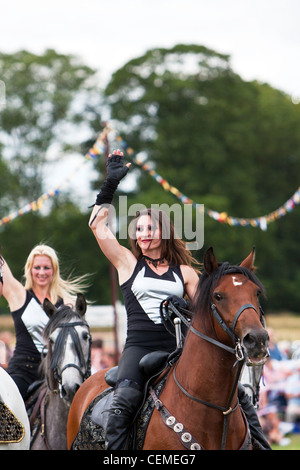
<point>49,308</point>
<point>249,261</point>
<point>210,263</point>
<point>80,306</point>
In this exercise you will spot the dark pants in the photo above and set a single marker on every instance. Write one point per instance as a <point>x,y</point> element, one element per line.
<point>24,370</point>
<point>130,382</point>
<point>138,344</point>
<point>22,385</point>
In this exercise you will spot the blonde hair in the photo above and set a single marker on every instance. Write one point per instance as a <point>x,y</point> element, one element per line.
<point>59,287</point>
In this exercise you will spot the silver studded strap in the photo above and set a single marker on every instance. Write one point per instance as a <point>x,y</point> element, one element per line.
<point>183,435</point>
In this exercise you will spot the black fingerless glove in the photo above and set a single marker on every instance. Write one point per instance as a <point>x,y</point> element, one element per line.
<point>116,170</point>
<point>178,302</point>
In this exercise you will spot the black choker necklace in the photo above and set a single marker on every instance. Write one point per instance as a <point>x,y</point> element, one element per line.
<point>155,262</point>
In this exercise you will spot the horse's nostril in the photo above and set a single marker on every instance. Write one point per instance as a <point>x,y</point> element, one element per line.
<point>256,343</point>
<point>249,341</point>
<point>68,393</point>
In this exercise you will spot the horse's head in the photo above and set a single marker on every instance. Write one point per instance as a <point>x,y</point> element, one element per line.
<point>69,342</point>
<point>232,294</point>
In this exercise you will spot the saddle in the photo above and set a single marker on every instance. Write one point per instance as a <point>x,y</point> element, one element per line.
<point>91,434</point>
<point>152,365</point>
<point>11,429</point>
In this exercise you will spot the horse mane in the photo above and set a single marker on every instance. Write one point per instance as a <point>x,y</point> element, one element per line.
<point>64,314</point>
<point>207,283</point>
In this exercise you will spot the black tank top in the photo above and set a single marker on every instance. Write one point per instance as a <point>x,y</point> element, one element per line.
<point>144,291</point>
<point>30,321</point>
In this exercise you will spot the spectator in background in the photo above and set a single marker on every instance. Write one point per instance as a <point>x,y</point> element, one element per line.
<point>274,351</point>
<point>109,358</point>
<point>97,355</point>
<point>292,387</point>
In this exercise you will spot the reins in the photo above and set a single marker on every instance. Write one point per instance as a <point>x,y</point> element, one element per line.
<point>66,328</point>
<point>69,328</point>
<point>237,350</point>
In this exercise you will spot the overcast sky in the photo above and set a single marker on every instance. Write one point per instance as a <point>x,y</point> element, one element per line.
<point>261,36</point>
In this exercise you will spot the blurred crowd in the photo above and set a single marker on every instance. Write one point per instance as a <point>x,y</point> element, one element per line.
<point>102,353</point>
<point>279,404</point>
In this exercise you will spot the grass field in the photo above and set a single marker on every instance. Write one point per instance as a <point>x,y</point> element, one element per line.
<point>293,445</point>
<point>286,327</point>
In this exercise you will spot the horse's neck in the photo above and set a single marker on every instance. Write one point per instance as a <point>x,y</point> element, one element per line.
<point>207,369</point>
<point>206,372</point>
<point>55,402</point>
<point>56,421</point>
<point>53,416</point>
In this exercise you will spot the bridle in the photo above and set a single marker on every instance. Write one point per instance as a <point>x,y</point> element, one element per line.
<point>237,350</point>
<point>84,366</point>
<point>183,315</point>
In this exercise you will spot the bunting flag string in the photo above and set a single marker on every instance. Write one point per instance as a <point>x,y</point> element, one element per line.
<point>222,217</point>
<point>97,149</point>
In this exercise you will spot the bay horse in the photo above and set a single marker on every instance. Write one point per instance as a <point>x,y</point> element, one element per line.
<point>198,406</point>
<point>66,365</point>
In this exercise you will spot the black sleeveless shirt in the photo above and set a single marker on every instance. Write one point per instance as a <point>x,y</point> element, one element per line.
<point>144,291</point>
<point>30,321</point>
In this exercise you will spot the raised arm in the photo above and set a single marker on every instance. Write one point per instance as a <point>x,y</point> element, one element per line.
<point>13,291</point>
<point>119,256</point>
<point>107,242</point>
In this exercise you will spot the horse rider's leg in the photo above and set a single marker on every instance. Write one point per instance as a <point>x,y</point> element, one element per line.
<point>125,403</point>
<point>251,416</point>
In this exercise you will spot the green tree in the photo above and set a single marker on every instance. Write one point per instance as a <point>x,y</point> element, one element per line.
<point>65,229</point>
<point>52,104</point>
<point>230,144</point>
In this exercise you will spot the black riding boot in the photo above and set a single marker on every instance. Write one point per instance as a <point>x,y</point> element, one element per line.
<point>125,404</point>
<point>251,416</point>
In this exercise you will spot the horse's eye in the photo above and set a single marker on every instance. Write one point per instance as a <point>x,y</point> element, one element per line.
<point>85,336</point>
<point>218,296</point>
<point>258,293</point>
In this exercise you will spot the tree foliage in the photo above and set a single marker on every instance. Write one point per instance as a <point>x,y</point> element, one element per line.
<point>48,105</point>
<point>230,144</point>
<point>225,142</point>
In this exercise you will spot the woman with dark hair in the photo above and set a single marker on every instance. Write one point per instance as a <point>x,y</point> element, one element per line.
<point>157,266</point>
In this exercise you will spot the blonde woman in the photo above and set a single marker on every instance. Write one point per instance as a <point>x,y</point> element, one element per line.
<point>42,280</point>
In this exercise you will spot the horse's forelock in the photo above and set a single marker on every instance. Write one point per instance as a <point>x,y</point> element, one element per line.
<point>207,283</point>
<point>63,314</point>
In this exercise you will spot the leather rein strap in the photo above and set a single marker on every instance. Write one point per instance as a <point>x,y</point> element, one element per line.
<point>87,365</point>
<point>237,351</point>
<point>40,405</point>
<point>41,400</point>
